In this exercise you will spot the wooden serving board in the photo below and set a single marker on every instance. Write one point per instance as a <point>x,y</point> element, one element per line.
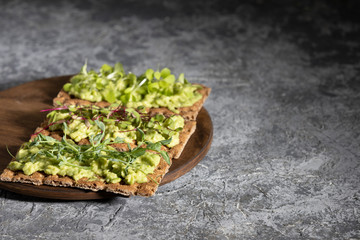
<point>20,115</point>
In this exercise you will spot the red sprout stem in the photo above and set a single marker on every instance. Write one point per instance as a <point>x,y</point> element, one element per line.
<point>37,133</point>
<point>53,109</point>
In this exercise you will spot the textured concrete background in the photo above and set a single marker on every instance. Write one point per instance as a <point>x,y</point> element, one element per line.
<point>284,163</point>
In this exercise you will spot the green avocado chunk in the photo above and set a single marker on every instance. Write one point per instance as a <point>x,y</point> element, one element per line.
<point>151,89</point>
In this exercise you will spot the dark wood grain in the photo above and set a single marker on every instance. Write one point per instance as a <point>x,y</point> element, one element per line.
<point>20,115</point>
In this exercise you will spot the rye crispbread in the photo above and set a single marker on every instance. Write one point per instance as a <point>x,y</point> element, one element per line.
<point>174,152</point>
<point>40,178</point>
<point>189,113</point>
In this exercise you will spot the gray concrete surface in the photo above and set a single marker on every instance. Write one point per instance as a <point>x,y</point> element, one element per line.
<point>284,162</point>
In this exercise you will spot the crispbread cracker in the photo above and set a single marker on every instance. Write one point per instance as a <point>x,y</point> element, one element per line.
<point>174,152</point>
<point>189,113</point>
<point>40,178</point>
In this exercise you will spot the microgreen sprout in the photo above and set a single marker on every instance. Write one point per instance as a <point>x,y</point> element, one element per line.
<point>118,118</point>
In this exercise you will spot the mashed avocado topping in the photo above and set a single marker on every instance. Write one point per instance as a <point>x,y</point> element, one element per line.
<point>151,89</point>
<point>96,161</point>
<point>120,122</point>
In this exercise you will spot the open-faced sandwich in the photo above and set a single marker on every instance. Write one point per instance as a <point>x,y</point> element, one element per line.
<point>158,91</point>
<point>129,124</point>
<point>111,131</point>
<point>103,164</point>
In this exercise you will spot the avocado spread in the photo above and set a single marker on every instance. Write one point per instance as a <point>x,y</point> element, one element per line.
<point>150,89</point>
<point>96,161</point>
<point>120,122</point>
